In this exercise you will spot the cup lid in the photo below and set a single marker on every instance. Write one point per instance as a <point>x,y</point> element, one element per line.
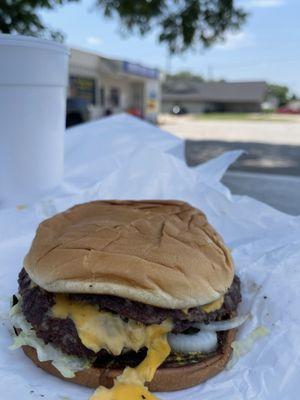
<point>29,41</point>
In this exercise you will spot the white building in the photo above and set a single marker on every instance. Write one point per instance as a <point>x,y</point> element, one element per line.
<point>111,86</point>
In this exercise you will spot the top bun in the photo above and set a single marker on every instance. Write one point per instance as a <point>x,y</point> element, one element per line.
<point>162,253</point>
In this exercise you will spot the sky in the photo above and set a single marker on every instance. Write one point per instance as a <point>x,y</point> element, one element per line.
<point>266,48</point>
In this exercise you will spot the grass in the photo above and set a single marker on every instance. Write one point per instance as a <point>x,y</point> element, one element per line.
<point>269,117</point>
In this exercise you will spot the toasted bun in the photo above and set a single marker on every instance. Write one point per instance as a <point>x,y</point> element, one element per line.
<point>162,253</point>
<point>165,379</point>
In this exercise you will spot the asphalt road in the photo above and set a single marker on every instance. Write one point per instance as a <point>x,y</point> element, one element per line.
<point>264,158</point>
<point>279,191</point>
<point>271,147</point>
<point>269,170</point>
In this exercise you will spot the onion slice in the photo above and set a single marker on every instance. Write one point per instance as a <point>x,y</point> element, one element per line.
<point>217,326</point>
<point>202,341</point>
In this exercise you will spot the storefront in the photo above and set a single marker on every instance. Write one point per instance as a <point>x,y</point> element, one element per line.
<point>112,86</point>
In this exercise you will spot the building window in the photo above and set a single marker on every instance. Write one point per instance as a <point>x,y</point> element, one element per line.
<point>83,88</point>
<point>115,97</point>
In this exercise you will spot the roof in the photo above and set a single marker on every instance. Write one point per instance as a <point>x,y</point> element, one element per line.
<point>115,67</point>
<point>181,90</point>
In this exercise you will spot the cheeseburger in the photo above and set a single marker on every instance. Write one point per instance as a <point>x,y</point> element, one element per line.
<point>126,296</point>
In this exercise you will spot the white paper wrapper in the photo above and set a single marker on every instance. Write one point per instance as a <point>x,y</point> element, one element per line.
<point>122,157</point>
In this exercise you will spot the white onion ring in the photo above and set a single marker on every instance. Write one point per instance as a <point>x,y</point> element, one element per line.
<point>217,326</point>
<point>203,342</point>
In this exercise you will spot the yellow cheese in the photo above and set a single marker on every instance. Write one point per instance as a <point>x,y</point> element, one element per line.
<point>103,330</point>
<point>123,392</point>
<point>215,305</point>
<point>99,329</point>
<point>130,385</point>
<point>185,311</point>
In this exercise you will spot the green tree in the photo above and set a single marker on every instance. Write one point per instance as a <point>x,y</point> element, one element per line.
<point>180,24</point>
<point>21,16</point>
<point>279,92</point>
<point>184,75</point>
<point>293,97</point>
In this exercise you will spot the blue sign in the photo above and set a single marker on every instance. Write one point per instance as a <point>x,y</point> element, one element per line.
<point>140,70</point>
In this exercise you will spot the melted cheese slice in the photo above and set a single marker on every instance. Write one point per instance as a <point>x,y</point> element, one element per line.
<point>103,330</point>
<point>99,329</point>
<point>130,385</point>
<point>213,306</point>
<point>122,391</point>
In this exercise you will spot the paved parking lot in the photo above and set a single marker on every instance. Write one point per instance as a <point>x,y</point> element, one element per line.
<point>271,146</point>
<point>269,171</point>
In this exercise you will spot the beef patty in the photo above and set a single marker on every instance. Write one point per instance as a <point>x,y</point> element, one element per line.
<point>36,302</point>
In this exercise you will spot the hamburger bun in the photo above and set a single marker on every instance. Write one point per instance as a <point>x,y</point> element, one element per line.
<point>165,379</point>
<point>162,253</point>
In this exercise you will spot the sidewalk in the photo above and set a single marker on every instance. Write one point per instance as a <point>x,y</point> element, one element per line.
<point>284,130</point>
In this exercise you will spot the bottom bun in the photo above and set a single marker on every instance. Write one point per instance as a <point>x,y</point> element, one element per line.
<point>165,379</point>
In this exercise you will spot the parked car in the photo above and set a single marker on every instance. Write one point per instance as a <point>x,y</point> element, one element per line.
<point>290,108</point>
<point>77,111</point>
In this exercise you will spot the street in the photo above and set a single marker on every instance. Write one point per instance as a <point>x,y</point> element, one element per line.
<point>271,146</point>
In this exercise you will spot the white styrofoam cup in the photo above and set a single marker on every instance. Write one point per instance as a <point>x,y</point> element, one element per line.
<point>33,81</point>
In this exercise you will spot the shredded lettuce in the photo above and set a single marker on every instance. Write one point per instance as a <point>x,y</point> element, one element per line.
<point>242,347</point>
<point>65,364</point>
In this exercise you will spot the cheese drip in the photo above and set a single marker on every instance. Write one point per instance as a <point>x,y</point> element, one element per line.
<point>213,306</point>
<point>130,385</point>
<point>104,330</point>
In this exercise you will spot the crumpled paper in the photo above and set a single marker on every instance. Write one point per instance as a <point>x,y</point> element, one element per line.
<point>122,157</point>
